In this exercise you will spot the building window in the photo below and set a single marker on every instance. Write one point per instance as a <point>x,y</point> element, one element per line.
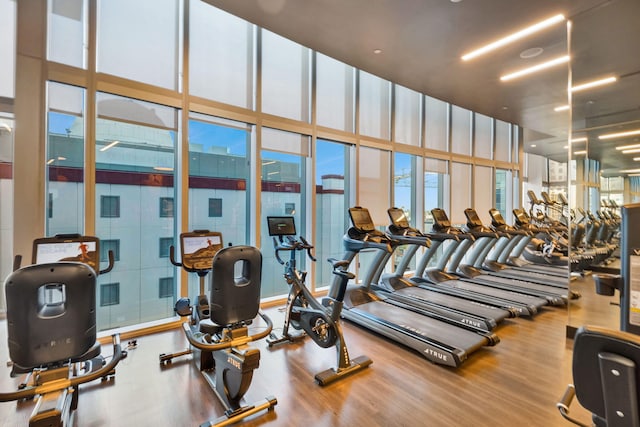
<point>165,244</point>
<point>165,287</point>
<point>112,245</point>
<point>289,208</point>
<point>166,207</point>
<point>50,206</point>
<point>109,294</point>
<point>215,208</point>
<point>110,206</point>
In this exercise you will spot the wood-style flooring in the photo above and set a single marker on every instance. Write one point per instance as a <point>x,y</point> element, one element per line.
<point>516,382</point>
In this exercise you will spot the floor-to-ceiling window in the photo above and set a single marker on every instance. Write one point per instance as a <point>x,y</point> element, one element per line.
<point>135,198</point>
<point>283,169</point>
<point>332,202</point>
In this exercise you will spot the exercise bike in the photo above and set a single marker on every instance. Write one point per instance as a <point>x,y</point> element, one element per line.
<point>319,320</point>
<point>218,324</point>
<point>51,327</point>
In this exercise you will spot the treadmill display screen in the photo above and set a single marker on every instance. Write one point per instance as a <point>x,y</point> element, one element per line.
<point>361,219</point>
<point>440,217</point>
<point>52,249</point>
<point>472,217</point>
<point>519,213</point>
<point>281,226</point>
<point>398,218</point>
<point>497,216</point>
<point>198,249</point>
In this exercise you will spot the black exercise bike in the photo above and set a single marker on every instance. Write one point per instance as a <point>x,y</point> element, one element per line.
<point>319,320</point>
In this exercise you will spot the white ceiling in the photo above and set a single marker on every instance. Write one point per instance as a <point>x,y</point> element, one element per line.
<point>422,41</point>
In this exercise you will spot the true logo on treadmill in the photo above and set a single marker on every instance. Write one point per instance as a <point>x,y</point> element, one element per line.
<point>472,322</point>
<point>437,354</point>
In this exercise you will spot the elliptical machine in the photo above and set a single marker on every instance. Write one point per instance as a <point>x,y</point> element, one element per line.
<point>218,325</point>
<point>319,320</point>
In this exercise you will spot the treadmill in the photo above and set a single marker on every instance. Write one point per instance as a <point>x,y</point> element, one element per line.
<point>503,250</point>
<point>453,257</point>
<point>437,341</point>
<point>523,304</point>
<point>404,290</point>
<point>488,241</point>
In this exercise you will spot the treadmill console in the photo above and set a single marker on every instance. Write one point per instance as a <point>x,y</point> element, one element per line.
<point>398,218</point>
<point>197,248</point>
<point>563,199</point>
<point>520,216</point>
<point>496,218</point>
<point>361,219</point>
<point>440,219</point>
<point>473,220</point>
<point>281,226</point>
<point>67,247</point>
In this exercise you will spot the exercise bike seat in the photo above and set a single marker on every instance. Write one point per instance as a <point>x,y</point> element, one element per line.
<point>605,374</point>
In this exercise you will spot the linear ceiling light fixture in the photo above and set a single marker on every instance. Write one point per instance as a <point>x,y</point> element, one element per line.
<point>628,147</point>
<point>630,171</point>
<point>561,108</point>
<point>619,134</point>
<point>631,151</point>
<point>542,66</point>
<point>594,83</point>
<point>513,37</point>
<point>578,153</point>
<point>581,139</point>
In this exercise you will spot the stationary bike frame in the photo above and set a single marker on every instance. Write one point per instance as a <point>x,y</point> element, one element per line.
<point>320,320</point>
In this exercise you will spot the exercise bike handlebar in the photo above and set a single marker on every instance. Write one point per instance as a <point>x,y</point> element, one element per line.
<point>291,244</point>
<point>31,391</point>
<point>229,343</point>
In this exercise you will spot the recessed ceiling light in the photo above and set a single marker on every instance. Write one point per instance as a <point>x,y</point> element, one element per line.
<point>456,1</point>
<point>579,153</point>
<point>531,53</point>
<point>377,51</point>
<point>581,139</point>
<point>561,108</point>
<point>513,37</point>
<point>535,68</point>
<point>533,145</point>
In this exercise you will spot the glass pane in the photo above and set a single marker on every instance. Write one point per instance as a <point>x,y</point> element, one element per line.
<point>460,130</point>
<point>461,186</point>
<point>404,191</point>
<point>374,179</point>
<point>407,116</point>
<point>332,196</point>
<point>135,165</point>
<point>67,29</point>
<point>435,124</point>
<point>285,77</point>
<point>8,47</point>
<point>140,40</point>
<point>6,195</point>
<point>375,108</point>
<point>503,153</point>
<point>221,65</point>
<point>283,184</point>
<point>65,160</point>
<point>335,96</point>
<point>483,145</point>
<point>218,177</point>
<point>483,192</point>
<point>502,192</point>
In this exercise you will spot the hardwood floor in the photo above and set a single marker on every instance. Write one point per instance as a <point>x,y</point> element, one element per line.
<point>516,382</point>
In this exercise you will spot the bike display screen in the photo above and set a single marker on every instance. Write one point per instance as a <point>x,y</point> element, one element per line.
<point>198,249</point>
<point>84,249</point>
<point>281,226</point>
